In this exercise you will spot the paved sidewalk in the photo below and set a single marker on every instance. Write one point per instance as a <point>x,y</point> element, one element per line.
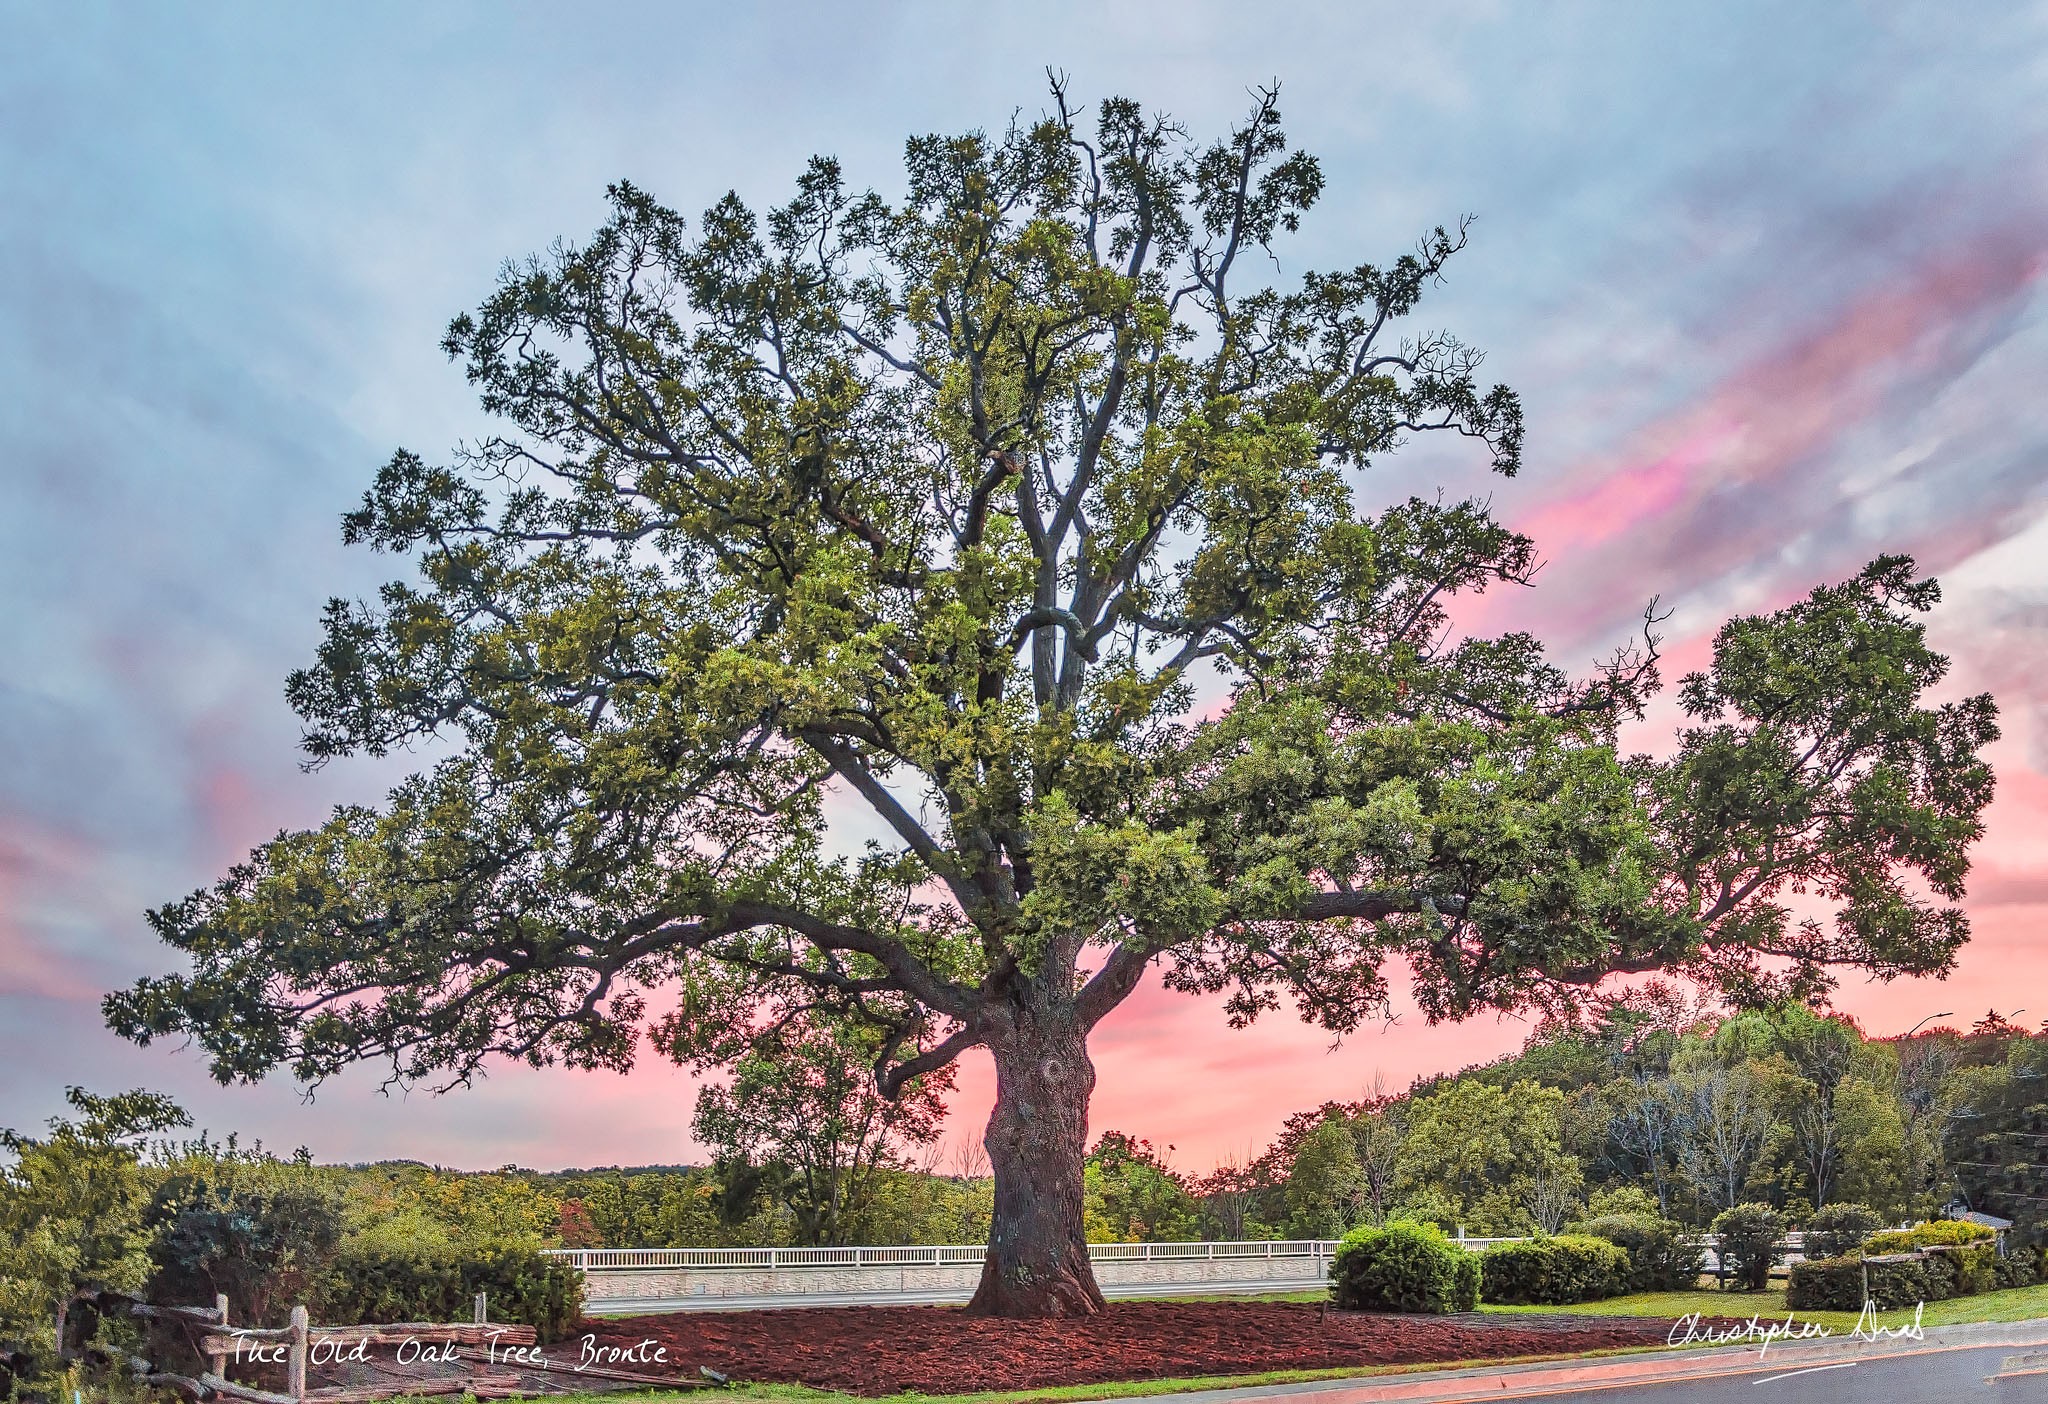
<point>1697,1367</point>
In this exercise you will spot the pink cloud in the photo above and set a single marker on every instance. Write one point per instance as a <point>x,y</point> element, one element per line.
<point>1787,404</point>
<point>35,864</point>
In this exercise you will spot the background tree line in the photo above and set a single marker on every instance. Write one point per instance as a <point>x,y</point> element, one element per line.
<point>1645,1101</point>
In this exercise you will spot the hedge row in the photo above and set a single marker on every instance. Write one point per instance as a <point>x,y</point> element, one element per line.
<point>1896,1279</point>
<point>385,1284</point>
<point>1927,1263</point>
<point>1553,1271</point>
<point>1414,1267</point>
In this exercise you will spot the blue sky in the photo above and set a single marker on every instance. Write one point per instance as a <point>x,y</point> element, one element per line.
<point>1768,277</point>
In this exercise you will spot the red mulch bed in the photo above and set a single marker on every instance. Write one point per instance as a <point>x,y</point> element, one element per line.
<point>939,1350</point>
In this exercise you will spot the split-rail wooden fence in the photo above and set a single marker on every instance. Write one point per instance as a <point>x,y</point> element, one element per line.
<point>225,1344</point>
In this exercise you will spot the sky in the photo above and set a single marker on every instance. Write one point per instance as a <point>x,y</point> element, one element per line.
<point>1769,279</point>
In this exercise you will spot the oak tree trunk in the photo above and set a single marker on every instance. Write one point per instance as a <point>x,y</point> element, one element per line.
<point>1037,1264</point>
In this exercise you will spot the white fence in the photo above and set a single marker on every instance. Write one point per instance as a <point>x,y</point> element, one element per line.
<point>944,1255</point>
<point>632,1280</point>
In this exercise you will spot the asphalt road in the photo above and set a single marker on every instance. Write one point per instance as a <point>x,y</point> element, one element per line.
<point>1981,1375</point>
<point>1929,1372</point>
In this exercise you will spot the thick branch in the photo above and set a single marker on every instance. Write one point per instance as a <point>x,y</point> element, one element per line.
<point>1113,983</point>
<point>891,1080</point>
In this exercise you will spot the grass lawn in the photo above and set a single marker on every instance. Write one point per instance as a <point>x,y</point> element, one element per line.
<point>2018,1304</point>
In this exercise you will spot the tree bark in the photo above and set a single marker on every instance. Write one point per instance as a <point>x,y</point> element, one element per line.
<point>1037,1264</point>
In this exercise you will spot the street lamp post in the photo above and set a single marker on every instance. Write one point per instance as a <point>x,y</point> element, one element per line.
<point>1947,1014</point>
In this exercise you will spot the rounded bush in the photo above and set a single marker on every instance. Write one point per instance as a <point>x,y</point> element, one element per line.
<point>262,1233</point>
<point>1748,1235</point>
<point>1660,1257</point>
<point>1838,1230</point>
<point>1403,1267</point>
<point>1553,1271</point>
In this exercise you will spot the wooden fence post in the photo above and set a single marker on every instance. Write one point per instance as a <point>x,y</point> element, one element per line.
<point>295,1375</point>
<point>220,1362</point>
<point>480,1308</point>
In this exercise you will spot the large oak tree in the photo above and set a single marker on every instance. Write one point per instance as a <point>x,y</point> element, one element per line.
<point>1023,512</point>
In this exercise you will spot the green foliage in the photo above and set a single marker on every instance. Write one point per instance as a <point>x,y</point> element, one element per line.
<point>1839,1230</point>
<point>1937,1232</point>
<point>1837,1284</point>
<point>1997,1136</point>
<point>802,1121</point>
<point>1133,1196</point>
<point>912,1207</point>
<point>1748,1236</point>
<point>1554,1271</point>
<point>403,1202</point>
<point>71,1212</point>
<point>1487,1155</point>
<point>1326,1188</point>
<point>385,1282</point>
<point>1620,1201</point>
<point>1811,741</point>
<point>655,1209</point>
<point>1974,1267</point>
<point>1661,1257</point>
<point>1465,1288</point>
<point>243,1223</point>
<point>2020,1267</point>
<point>1901,1270</point>
<point>1403,1266</point>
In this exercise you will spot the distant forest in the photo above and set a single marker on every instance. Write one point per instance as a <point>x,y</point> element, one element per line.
<point>1645,1104</point>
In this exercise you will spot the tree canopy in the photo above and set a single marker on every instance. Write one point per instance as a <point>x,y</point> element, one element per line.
<point>1021,512</point>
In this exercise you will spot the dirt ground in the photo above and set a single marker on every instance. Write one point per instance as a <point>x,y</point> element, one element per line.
<point>938,1350</point>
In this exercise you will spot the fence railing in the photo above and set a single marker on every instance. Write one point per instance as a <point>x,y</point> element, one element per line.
<point>971,1254</point>
<point>940,1255</point>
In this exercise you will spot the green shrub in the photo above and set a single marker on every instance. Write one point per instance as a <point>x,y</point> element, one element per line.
<point>1966,1269</point>
<point>385,1283</point>
<point>1941,1277</point>
<point>1748,1235</point>
<point>1836,1284</point>
<point>260,1230</point>
<point>1660,1258</point>
<point>1402,1267</point>
<point>1838,1230</point>
<point>1928,1235</point>
<point>1553,1271</point>
<point>1465,1295</point>
<point>1631,1200</point>
<point>2019,1268</point>
<point>1896,1280</point>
